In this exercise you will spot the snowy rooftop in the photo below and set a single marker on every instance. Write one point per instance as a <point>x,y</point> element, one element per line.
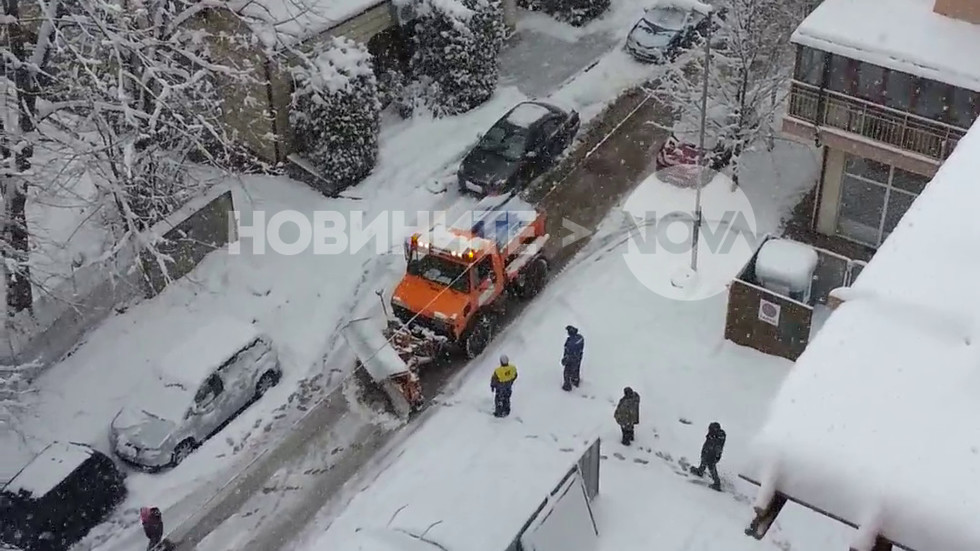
<point>49,468</point>
<point>877,422</point>
<point>207,348</point>
<point>904,35</point>
<point>463,487</point>
<point>297,20</point>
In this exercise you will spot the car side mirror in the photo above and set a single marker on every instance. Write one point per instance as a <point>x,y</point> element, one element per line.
<point>484,285</point>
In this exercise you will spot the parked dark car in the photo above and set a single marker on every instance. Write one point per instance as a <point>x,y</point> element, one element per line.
<point>523,144</point>
<point>665,31</point>
<point>58,497</point>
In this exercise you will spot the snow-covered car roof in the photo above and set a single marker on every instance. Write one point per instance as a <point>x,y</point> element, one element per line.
<point>527,113</point>
<point>684,5</point>
<point>192,360</point>
<point>904,35</point>
<point>49,468</point>
<point>877,421</point>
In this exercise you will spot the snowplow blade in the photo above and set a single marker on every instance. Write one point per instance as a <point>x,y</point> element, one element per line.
<point>380,360</point>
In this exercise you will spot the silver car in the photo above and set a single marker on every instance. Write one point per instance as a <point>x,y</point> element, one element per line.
<point>663,31</point>
<point>193,392</point>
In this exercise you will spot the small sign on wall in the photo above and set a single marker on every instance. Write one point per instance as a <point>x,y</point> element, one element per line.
<point>769,312</point>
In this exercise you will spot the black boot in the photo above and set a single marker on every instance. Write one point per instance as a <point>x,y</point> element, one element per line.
<point>566,387</point>
<point>716,486</point>
<point>697,471</point>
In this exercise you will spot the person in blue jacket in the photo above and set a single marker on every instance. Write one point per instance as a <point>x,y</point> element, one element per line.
<point>502,385</point>
<point>571,360</point>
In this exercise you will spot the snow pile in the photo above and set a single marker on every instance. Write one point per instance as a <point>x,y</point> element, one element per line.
<point>685,5</point>
<point>879,412</point>
<point>783,262</point>
<point>292,21</point>
<point>903,35</point>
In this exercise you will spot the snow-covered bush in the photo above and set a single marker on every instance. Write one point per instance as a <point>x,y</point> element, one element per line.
<point>573,12</point>
<point>336,113</point>
<point>456,46</point>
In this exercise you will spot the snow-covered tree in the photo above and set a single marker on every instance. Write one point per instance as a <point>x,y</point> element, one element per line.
<point>26,41</point>
<point>457,44</point>
<point>750,68</point>
<point>137,101</point>
<point>573,12</point>
<point>14,393</point>
<point>336,112</point>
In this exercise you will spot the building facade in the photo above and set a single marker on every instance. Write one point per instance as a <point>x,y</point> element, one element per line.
<point>884,121</point>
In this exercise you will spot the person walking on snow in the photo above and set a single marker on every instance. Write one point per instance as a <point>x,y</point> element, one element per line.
<point>627,414</point>
<point>714,445</point>
<point>152,521</point>
<point>502,385</point>
<point>571,360</point>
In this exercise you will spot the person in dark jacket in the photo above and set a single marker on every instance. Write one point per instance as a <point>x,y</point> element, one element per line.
<point>502,385</point>
<point>714,445</point>
<point>152,520</point>
<point>627,414</point>
<point>571,360</point>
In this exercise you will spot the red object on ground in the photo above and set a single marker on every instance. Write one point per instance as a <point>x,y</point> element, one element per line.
<point>675,152</point>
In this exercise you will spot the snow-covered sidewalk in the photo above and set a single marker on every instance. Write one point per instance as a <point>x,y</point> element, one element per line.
<point>470,481</point>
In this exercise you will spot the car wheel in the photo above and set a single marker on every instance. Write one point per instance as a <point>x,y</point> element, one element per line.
<point>478,337</point>
<point>534,279</point>
<point>182,451</point>
<point>268,380</point>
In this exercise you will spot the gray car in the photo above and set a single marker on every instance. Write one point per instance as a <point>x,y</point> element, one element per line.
<point>193,392</point>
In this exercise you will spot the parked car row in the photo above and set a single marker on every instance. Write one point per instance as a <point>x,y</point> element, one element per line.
<point>190,394</point>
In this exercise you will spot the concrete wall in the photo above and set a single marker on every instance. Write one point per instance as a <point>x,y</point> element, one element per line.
<point>62,316</point>
<point>830,189</point>
<point>204,225</point>
<point>964,10</point>
<point>247,112</point>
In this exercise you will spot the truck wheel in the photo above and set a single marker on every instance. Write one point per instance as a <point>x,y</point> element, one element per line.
<point>478,337</point>
<point>535,276</point>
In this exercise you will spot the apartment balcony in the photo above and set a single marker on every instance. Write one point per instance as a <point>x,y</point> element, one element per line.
<point>893,129</point>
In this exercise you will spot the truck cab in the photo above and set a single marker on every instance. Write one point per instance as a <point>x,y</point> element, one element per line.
<point>456,276</point>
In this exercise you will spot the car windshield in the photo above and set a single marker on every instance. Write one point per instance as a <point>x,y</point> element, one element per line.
<point>505,139</point>
<point>663,20</point>
<point>441,271</point>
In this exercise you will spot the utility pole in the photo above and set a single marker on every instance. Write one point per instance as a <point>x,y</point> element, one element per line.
<point>696,232</point>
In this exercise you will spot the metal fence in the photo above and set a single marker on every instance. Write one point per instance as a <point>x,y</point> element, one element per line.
<point>905,131</point>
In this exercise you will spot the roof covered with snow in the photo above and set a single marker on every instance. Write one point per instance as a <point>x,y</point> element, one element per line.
<point>49,468</point>
<point>209,346</point>
<point>292,21</point>
<point>877,422</point>
<point>903,35</point>
<point>527,113</point>
<point>464,485</point>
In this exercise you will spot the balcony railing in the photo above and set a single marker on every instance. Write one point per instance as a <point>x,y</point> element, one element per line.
<point>889,126</point>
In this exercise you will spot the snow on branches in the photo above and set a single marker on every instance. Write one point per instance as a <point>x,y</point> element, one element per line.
<point>750,67</point>
<point>336,112</point>
<point>457,43</point>
<point>573,12</point>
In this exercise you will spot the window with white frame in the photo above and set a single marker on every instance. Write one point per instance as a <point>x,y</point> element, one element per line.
<point>874,197</point>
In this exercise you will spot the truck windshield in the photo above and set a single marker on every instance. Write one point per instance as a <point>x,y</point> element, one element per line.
<point>442,271</point>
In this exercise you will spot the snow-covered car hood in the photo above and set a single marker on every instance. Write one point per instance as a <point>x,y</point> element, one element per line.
<point>142,428</point>
<point>648,39</point>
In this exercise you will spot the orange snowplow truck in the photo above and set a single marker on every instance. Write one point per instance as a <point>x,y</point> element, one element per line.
<point>458,277</point>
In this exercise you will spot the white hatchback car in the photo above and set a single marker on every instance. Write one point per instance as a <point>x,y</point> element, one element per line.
<point>193,392</point>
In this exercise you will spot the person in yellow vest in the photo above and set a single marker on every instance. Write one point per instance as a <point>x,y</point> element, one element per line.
<point>502,384</point>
